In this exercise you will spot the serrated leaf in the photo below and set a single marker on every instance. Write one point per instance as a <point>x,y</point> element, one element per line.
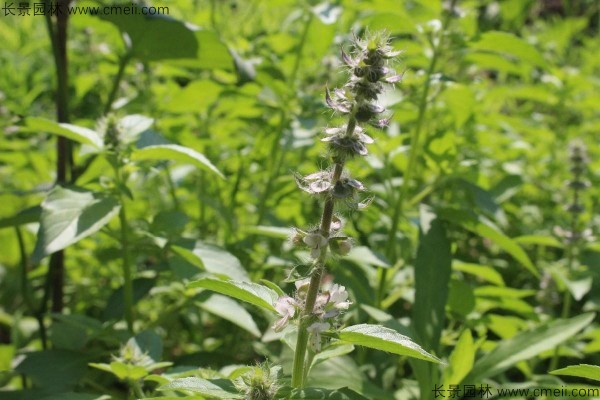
<point>580,371</point>
<point>386,339</point>
<point>230,310</point>
<point>217,388</point>
<point>252,293</point>
<point>527,345</point>
<point>76,133</point>
<point>177,153</point>
<point>69,215</point>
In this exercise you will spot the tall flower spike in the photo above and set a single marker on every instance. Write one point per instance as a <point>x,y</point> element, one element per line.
<point>356,101</point>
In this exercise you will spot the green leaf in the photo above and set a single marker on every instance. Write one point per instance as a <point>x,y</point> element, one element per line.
<point>217,388</point>
<point>53,369</point>
<point>482,272</point>
<point>76,133</point>
<point>580,371</point>
<point>230,310</point>
<point>509,45</point>
<point>432,277</point>
<point>461,360</point>
<point>132,126</point>
<point>362,255</point>
<point>159,37</point>
<point>527,345</point>
<point>76,396</point>
<point>386,339</point>
<point>335,350</point>
<point>175,153</point>
<point>483,227</point>
<point>69,215</point>
<point>26,216</point>
<point>252,293</point>
<point>213,259</point>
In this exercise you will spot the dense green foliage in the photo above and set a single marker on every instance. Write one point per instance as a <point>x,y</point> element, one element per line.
<point>185,147</point>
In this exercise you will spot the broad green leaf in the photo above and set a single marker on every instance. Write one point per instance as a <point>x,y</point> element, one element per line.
<point>509,45</point>
<point>527,345</point>
<point>386,339</point>
<point>230,310</point>
<point>213,259</point>
<point>461,360</point>
<point>56,370</point>
<point>217,388</point>
<point>69,215</point>
<point>177,153</point>
<point>252,293</point>
<point>160,37</point>
<point>25,216</point>
<point>432,277</point>
<point>76,133</point>
<point>483,227</point>
<point>132,126</point>
<point>580,371</point>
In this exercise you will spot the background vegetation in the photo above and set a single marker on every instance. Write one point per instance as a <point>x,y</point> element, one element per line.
<point>468,247</point>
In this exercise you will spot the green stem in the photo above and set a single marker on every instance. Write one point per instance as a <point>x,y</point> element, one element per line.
<point>123,60</point>
<point>137,390</point>
<point>127,267</point>
<point>172,188</point>
<point>298,373</point>
<point>127,273</point>
<point>25,289</point>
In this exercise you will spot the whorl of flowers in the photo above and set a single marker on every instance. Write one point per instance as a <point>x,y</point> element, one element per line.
<point>328,307</point>
<point>357,101</point>
<point>578,159</point>
<point>317,309</point>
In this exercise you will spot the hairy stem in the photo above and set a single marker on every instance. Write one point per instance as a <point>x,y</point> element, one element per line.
<point>298,374</point>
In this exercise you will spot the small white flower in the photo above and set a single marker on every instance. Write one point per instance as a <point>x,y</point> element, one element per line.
<point>315,334</point>
<point>315,241</point>
<point>339,297</point>
<point>286,307</point>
